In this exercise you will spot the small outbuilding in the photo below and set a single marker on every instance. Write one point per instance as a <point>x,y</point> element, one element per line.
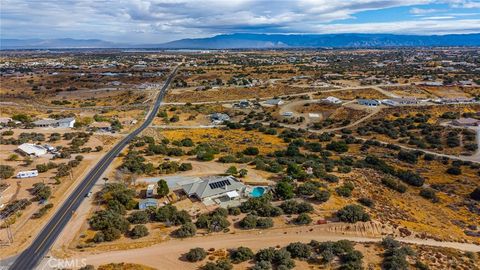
<point>466,122</point>
<point>146,203</point>
<point>219,118</point>
<point>32,149</point>
<point>56,123</point>
<point>274,102</point>
<point>332,100</point>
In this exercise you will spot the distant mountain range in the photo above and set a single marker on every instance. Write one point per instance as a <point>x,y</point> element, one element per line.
<point>260,41</point>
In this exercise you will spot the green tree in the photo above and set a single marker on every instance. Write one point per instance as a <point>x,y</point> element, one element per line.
<point>232,170</point>
<point>285,190</point>
<point>162,188</point>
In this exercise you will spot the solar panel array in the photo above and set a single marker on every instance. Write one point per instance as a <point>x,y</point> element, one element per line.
<point>219,184</point>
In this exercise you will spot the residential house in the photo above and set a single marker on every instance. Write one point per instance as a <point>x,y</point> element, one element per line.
<point>368,102</point>
<point>219,118</point>
<point>215,187</point>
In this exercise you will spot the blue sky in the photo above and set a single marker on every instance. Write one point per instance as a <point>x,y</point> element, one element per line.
<point>153,21</point>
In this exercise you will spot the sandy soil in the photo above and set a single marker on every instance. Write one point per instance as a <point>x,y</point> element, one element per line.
<point>167,255</point>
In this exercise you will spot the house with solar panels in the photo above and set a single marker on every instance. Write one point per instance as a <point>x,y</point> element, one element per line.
<point>215,189</point>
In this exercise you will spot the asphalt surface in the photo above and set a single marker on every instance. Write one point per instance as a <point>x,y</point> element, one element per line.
<point>32,256</point>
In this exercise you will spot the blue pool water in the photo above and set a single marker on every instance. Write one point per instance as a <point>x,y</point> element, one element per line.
<point>257,192</point>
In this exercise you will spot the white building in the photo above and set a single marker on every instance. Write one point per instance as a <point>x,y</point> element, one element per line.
<point>32,149</point>
<point>60,123</point>
<point>274,102</point>
<point>400,101</point>
<point>332,100</point>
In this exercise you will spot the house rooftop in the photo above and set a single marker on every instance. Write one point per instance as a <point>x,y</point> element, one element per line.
<point>213,186</point>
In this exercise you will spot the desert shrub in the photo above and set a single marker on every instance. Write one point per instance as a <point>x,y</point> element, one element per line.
<point>454,170</point>
<point>294,207</point>
<point>186,230</point>
<point>284,190</point>
<point>303,219</point>
<point>475,194</point>
<point>6,171</point>
<point>299,250</point>
<point>110,234</point>
<point>170,215</point>
<point>345,190</point>
<point>139,217</point>
<point>105,219</point>
<point>429,194</point>
<point>410,178</point>
<point>41,168</point>
<point>264,223</point>
<point>221,264</point>
<point>196,254</point>
<point>395,255</point>
<point>251,151</point>
<point>41,191</point>
<point>393,184</point>
<point>138,231</point>
<point>321,196</point>
<point>353,213</point>
<point>338,146</point>
<point>366,201</point>
<point>408,156</point>
<point>241,254</point>
<point>234,211</point>
<point>248,222</point>
<point>280,258</point>
<point>185,167</point>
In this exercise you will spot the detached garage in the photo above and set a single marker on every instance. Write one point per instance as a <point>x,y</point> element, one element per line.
<point>32,149</point>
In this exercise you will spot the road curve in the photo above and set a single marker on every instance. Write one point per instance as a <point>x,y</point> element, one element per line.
<point>31,256</point>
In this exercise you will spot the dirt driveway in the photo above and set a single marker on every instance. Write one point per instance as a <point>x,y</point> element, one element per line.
<point>167,255</point>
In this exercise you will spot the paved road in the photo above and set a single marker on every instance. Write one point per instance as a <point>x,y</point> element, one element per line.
<point>30,258</point>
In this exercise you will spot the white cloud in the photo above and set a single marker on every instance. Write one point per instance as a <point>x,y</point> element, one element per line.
<point>163,20</point>
<point>422,11</point>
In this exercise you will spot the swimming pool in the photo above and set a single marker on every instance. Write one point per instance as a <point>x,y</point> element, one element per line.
<point>257,192</point>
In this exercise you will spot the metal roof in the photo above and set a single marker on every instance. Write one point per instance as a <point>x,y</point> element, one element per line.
<point>212,186</point>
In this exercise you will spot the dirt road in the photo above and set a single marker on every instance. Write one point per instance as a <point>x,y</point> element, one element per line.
<point>166,255</point>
